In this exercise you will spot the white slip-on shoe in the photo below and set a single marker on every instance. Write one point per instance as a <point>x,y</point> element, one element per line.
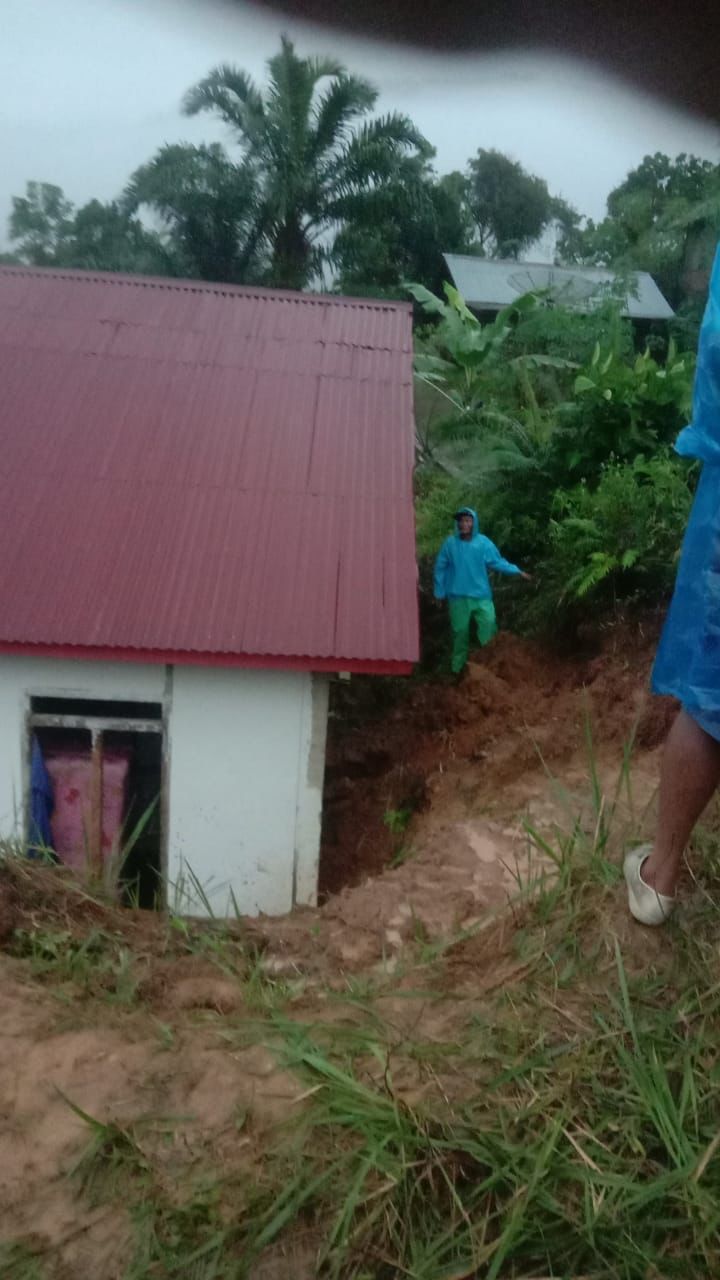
<point>646,904</point>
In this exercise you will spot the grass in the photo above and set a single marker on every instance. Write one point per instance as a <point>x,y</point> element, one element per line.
<point>19,1261</point>
<point>589,1145</point>
<point>397,822</point>
<point>111,1158</point>
<point>98,963</point>
<point>588,1141</point>
<point>223,944</point>
<point>517,1103</point>
<point>190,1241</point>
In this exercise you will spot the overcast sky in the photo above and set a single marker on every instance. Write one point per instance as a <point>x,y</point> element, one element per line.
<point>90,88</point>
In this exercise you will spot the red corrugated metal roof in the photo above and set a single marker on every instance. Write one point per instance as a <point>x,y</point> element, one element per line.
<point>205,473</point>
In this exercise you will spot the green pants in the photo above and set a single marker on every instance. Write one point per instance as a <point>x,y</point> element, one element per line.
<point>464,610</point>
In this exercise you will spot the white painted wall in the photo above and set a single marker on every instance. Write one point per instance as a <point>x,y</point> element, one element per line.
<point>311,776</point>
<point>245,788</point>
<point>246,756</point>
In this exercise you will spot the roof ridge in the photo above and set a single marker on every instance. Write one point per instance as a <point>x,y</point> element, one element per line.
<point>178,285</point>
<point>516,263</point>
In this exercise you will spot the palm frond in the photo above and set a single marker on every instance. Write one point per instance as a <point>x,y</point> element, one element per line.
<point>289,98</point>
<point>233,95</point>
<point>394,193</point>
<point>374,154</point>
<point>210,207</point>
<point>376,148</point>
<point>346,100</point>
<point>282,64</point>
<point>291,109</point>
<point>180,169</point>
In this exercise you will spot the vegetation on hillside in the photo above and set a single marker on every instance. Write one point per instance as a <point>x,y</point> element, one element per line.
<point>550,424</point>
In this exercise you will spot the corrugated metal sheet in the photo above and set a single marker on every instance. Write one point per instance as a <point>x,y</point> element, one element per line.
<point>205,470</point>
<point>488,285</point>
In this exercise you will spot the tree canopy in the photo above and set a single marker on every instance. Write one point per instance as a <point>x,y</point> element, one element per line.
<point>510,207</point>
<point>207,208</point>
<point>47,230</point>
<point>314,189</point>
<point>315,158</point>
<point>663,218</point>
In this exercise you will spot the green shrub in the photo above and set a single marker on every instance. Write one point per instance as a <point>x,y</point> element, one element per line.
<point>619,541</point>
<point>619,409</point>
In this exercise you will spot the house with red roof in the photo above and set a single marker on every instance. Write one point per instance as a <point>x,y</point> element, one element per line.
<point>206,511</point>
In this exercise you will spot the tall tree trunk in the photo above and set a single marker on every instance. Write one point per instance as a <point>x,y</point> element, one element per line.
<point>291,256</point>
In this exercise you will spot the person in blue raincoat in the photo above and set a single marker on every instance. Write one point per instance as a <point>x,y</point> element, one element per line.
<point>688,659</point>
<point>461,578</point>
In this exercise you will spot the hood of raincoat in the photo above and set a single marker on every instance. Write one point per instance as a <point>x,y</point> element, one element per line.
<point>702,438</point>
<point>466,511</point>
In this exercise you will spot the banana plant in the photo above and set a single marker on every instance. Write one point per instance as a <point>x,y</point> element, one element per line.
<point>459,362</point>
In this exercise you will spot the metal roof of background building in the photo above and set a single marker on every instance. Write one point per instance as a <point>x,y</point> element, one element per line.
<point>489,284</point>
<point>205,473</point>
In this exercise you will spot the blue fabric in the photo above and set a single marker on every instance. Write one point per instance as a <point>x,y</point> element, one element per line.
<point>41,803</point>
<point>688,660</point>
<point>702,438</point>
<point>461,568</point>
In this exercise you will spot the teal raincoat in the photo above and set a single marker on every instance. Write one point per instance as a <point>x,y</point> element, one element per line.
<point>461,568</point>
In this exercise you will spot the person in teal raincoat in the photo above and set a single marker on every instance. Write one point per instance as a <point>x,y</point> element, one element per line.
<point>688,660</point>
<point>461,578</point>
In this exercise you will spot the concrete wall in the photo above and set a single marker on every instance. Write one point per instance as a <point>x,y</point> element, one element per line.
<point>245,753</point>
<point>245,789</point>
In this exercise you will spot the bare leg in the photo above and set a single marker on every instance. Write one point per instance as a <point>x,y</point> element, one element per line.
<point>689,777</point>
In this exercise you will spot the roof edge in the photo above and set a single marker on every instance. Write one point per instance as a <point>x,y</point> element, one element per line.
<point>578,268</point>
<point>178,285</point>
<point>194,658</point>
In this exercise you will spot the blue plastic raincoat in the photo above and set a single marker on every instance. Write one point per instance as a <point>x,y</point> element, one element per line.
<point>688,660</point>
<point>461,568</point>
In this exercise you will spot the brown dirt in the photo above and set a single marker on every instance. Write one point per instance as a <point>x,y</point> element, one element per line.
<point>184,1094</point>
<point>175,1065</point>
<point>518,706</point>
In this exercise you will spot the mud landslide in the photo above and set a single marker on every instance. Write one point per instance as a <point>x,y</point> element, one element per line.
<point>519,708</point>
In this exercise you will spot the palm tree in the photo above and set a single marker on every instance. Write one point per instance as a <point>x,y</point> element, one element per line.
<point>315,159</point>
<point>208,207</point>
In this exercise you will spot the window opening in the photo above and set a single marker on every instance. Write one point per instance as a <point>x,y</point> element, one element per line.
<point>104,765</point>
